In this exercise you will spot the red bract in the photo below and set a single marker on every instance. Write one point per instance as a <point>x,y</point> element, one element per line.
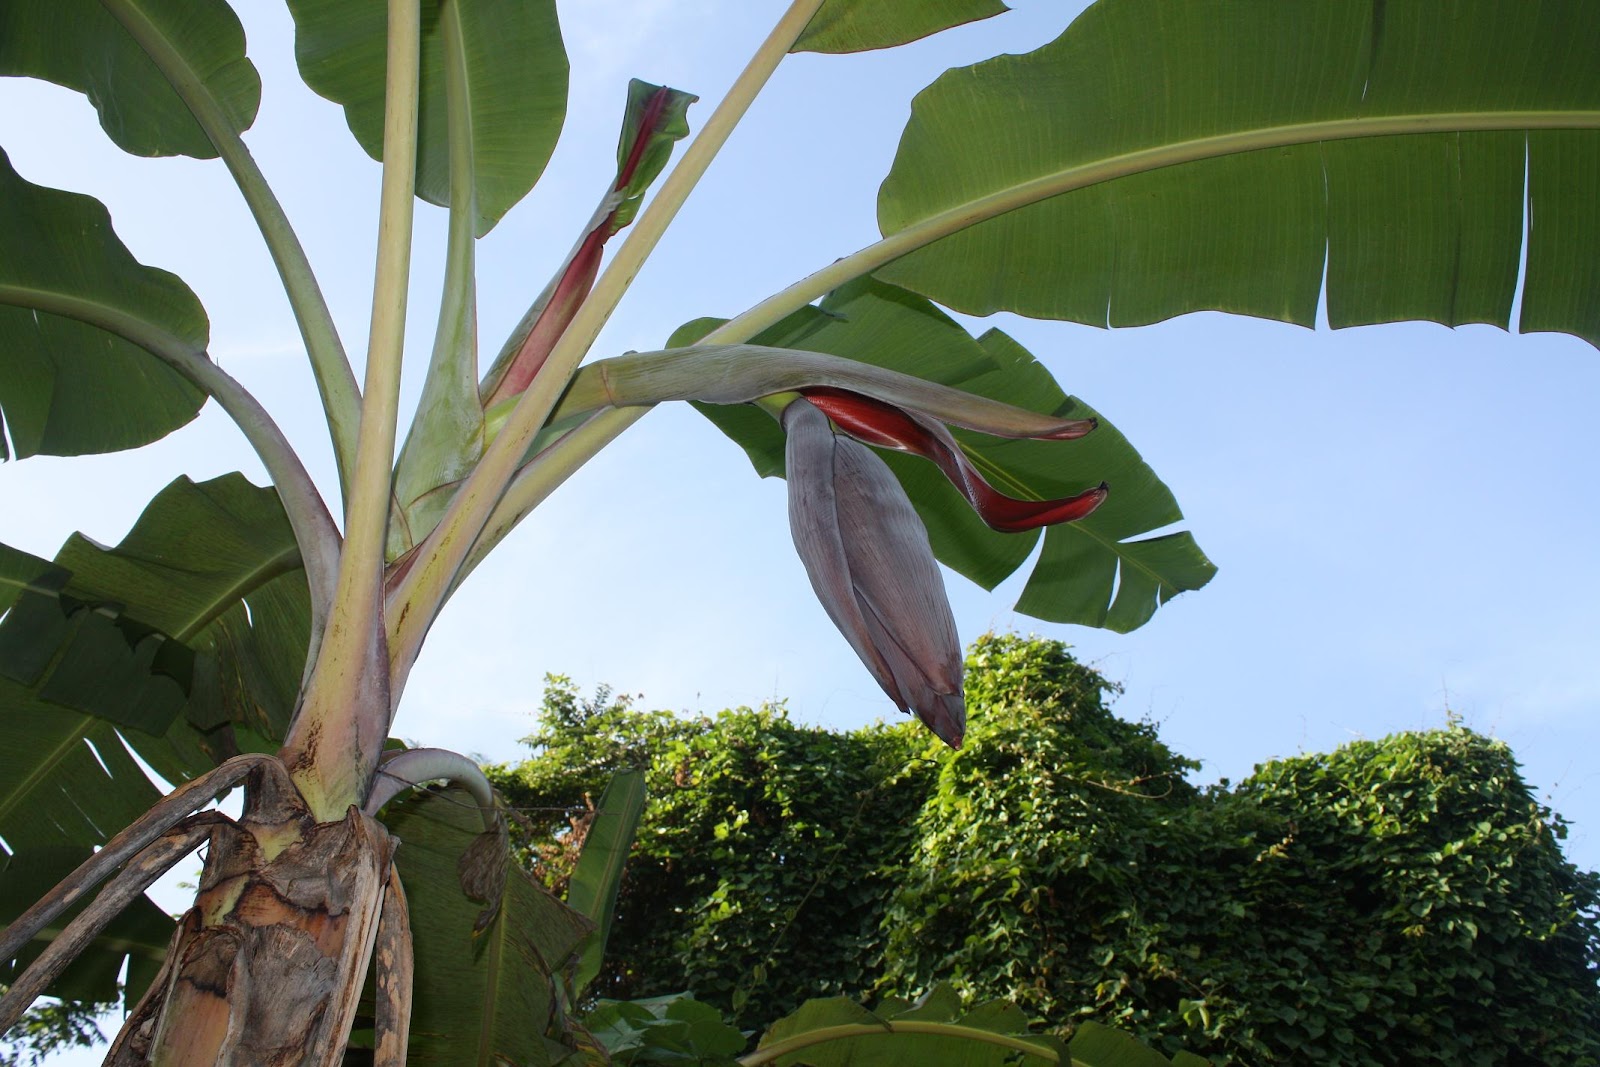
<point>567,295</point>
<point>887,426</point>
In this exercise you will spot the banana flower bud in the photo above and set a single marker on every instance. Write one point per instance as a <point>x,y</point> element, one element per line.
<point>867,554</point>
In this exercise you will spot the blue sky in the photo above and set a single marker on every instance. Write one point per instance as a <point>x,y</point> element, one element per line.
<point>1404,517</point>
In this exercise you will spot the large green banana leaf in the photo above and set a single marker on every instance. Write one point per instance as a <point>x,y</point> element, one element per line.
<point>515,85</point>
<point>484,998</point>
<point>184,643</point>
<point>68,387</point>
<point>69,784</point>
<point>187,641</point>
<point>67,778</point>
<point>1167,157</point>
<point>859,25</point>
<point>1101,571</point>
<point>597,878</point>
<point>86,45</point>
<point>212,565</point>
<point>86,655</point>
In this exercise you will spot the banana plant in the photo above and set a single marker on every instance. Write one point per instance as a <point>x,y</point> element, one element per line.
<point>1155,159</point>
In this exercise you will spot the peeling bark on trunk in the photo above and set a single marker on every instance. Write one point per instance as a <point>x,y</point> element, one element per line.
<point>266,968</point>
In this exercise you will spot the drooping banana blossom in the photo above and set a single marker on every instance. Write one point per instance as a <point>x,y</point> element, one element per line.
<point>867,554</point>
<point>887,426</point>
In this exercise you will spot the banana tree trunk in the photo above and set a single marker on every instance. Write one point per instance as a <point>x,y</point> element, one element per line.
<point>268,965</point>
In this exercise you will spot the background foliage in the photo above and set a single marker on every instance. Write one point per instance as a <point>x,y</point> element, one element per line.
<point>51,1026</point>
<point>1395,901</point>
<point>772,846</point>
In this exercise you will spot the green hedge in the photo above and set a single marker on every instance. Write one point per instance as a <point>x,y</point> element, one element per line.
<point>1402,901</point>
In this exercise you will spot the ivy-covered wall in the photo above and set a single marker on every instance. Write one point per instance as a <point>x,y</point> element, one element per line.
<point>766,856</point>
<point>1401,901</point>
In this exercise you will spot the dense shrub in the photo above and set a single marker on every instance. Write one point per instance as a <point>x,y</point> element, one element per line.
<point>1402,901</point>
<point>765,858</point>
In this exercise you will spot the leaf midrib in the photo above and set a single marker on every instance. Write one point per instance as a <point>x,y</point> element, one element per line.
<point>46,767</point>
<point>491,999</point>
<point>931,228</point>
<point>1175,153</point>
<point>96,310</point>
<point>286,561</point>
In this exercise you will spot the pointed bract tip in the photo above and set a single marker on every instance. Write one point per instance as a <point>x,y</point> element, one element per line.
<point>1010,515</point>
<point>946,717</point>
